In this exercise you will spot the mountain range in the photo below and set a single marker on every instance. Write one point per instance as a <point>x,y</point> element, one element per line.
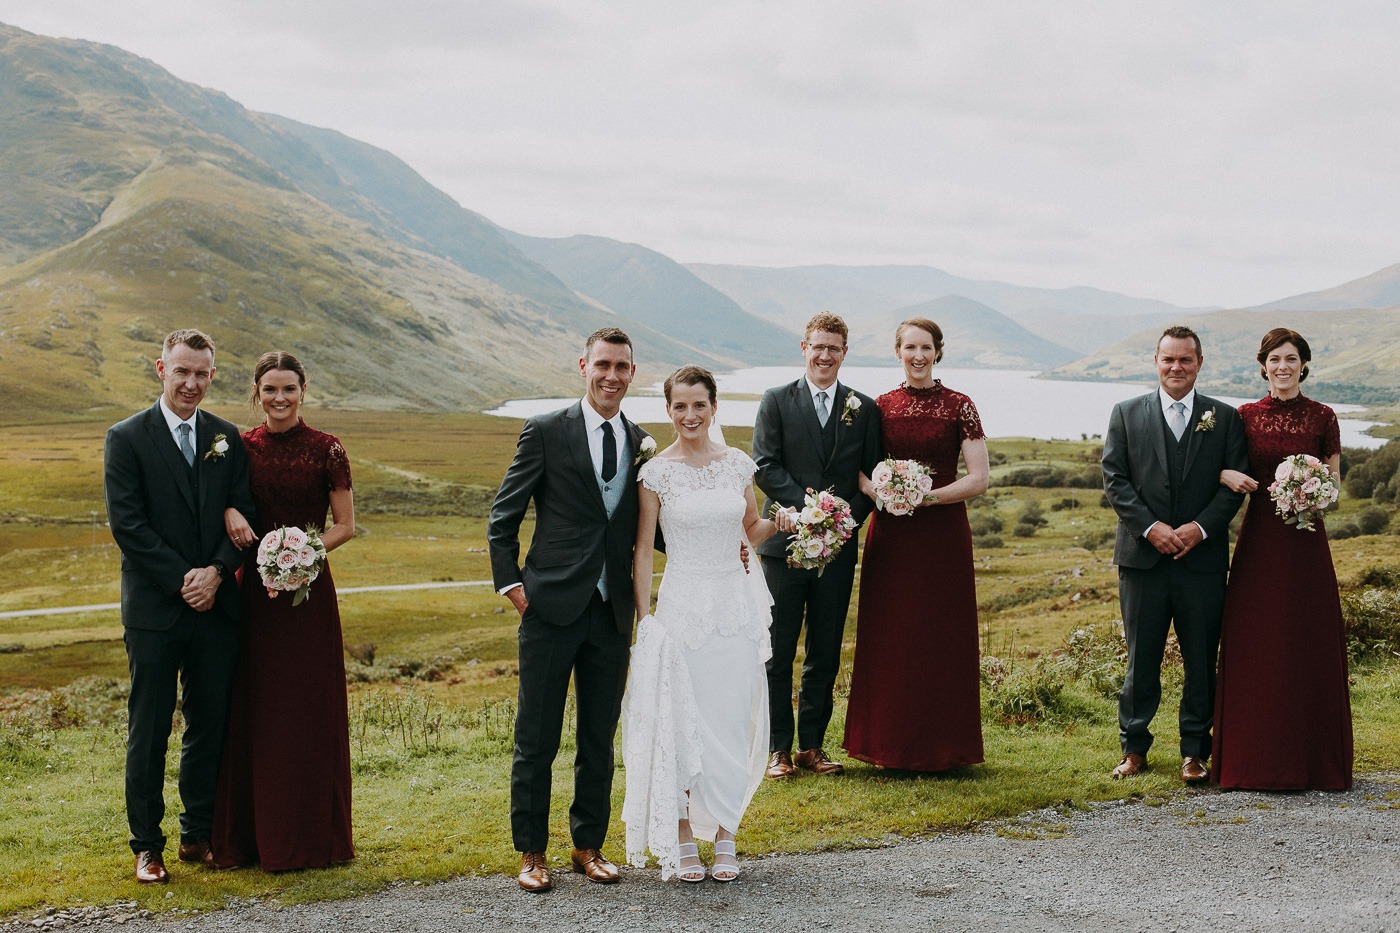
<point>132,203</point>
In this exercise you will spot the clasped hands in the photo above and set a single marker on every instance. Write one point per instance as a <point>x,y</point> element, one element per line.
<point>200,587</point>
<point>1175,541</point>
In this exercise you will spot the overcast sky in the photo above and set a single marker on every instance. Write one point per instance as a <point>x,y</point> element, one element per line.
<point>1224,153</point>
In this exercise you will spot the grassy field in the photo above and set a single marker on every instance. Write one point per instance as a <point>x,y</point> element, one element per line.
<point>432,714</point>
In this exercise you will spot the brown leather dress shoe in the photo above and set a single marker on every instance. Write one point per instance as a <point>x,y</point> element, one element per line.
<point>197,853</point>
<point>533,875</point>
<point>591,864</point>
<point>817,761</point>
<point>150,868</point>
<point>780,766</point>
<point>1132,765</point>
<point>1194,770</point>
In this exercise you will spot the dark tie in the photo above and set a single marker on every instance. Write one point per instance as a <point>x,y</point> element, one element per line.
<point>609,453</point>
<point>186,447</point>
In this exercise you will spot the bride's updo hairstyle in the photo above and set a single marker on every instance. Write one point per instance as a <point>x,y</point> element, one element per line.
<point>1277,338</point>
<point>690,376</point>
<point>274,359</point>
<point>922,323</point>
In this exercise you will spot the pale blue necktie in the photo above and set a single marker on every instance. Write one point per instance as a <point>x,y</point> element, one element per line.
<point>1177,421</point>
<point>823,412</point>
<point>186,447</point>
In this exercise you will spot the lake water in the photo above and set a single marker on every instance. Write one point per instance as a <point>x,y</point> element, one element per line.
<point>1012,403</point>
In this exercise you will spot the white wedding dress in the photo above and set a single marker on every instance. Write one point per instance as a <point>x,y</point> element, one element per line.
<point>695,716</point>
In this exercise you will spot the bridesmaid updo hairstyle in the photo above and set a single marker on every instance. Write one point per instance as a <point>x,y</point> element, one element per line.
<point>275,359</point>
<point>690,376</point>
<point>1277,338</point>
<point>922,323</point>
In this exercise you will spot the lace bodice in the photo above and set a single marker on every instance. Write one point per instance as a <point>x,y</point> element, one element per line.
<point>292,473</point>
<point>1277,428</point>
<point>702,514</point>
<point>929,425</point>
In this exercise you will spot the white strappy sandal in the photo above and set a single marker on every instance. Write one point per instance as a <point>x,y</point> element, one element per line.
<point>693,874</point>
<point>724,872</point>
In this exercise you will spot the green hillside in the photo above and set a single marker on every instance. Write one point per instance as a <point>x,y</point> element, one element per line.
<point>136,203</point>
<point>1356,353</point>
<point>974,335</point>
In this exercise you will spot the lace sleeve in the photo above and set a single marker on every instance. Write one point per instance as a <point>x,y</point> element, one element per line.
<point>653,475</point>
<point>337,466</point>
<point>1331,434</point>
<point>969,422</point>
<point>743,464</point>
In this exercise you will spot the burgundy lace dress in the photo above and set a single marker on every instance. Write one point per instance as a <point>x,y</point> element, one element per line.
<point>1282,713</point>
<point>284,787</point>
<point>915,701</point>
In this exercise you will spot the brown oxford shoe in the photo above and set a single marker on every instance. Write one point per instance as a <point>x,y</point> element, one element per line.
<point>1194,770</point>
<point>1132,765</point>
<point>780,766</point>
<point>817,761</point>
<point>533,875</point>
<point>150,868</point>
<point>197,853</point>
<point>591,864</point>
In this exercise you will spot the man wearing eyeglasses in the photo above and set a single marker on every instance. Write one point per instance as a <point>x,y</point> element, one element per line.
<point>814,433</point>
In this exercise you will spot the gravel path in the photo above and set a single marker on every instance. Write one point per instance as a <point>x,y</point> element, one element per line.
<point>1202,861</point>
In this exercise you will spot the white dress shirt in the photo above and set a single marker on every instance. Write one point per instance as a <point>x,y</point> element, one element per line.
<point>173,422</point>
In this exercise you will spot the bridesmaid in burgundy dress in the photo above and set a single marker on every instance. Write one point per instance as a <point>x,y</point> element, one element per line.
<point>1282,713</point>
<point>284,789</point>
<point>915,700</point>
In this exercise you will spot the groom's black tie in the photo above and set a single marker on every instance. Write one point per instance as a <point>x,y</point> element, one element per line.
<point>609,453</point>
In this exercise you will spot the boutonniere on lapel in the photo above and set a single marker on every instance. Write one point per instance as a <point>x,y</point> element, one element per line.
<point>1207,422</point>
<point>645,451</point>
<point>217,449</point>
<point>848,411</point>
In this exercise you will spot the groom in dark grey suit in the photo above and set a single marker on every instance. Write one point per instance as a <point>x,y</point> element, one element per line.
<point>1162,459</point>
<point>169,474</point>
<point>818,434</point>
<point>574,596</point>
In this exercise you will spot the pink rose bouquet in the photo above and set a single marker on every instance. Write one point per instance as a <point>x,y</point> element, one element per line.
<point>901,486</point>
<point>289,559</point>
<point>1302,488</point>
<point>824,524</point>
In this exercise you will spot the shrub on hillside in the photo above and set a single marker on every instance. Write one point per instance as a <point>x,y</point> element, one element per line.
<point>1371,617</point>
<point>1373,520</point>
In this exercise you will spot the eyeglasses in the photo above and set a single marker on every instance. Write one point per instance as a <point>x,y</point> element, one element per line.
<point>825,348</point>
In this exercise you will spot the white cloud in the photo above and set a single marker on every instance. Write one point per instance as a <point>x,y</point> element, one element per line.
<point>1200,152</point>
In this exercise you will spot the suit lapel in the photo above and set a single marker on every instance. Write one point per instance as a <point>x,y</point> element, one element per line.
<point>204,440</point>
<point>576,433</point>
<point>838,406</point>
<point>1193,443</point>
<point>635,436</point>
<point>1151,418</point>
<point>164,446</point>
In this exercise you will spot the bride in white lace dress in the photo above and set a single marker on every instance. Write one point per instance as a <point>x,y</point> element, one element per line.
<point>695,717</point>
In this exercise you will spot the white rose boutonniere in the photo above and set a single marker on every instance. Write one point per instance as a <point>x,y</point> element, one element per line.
<point>645,451</point>
<point>217,449</point>
<point>1207,422</point>
<point>848,411</point>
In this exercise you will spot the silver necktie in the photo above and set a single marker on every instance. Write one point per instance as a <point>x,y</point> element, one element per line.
<point>1177,421</point>
<point>186,447</point>
<point>823,411</point>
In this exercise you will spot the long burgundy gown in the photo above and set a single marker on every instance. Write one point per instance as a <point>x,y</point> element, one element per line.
<point>915,702</point>
<point>1282,712</point>
<point>283,798</point>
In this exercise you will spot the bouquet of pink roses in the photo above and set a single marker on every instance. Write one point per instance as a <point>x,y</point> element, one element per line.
<point>823,526</point>
<point>901,485</point>
<point>1302,488</point>
<point>289,559</point>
